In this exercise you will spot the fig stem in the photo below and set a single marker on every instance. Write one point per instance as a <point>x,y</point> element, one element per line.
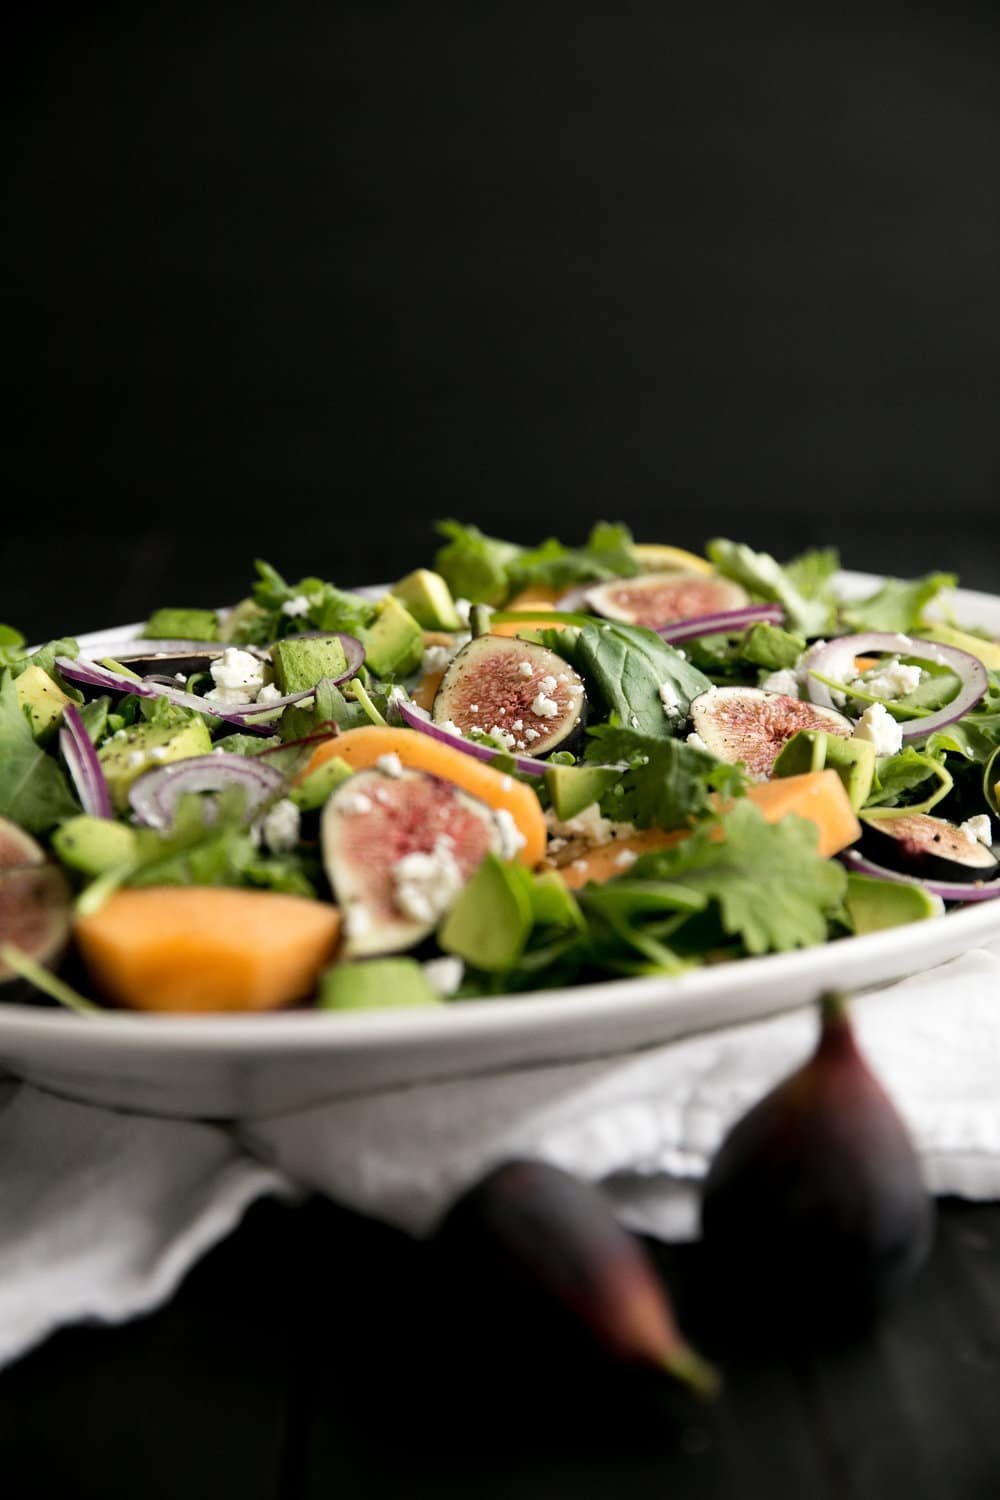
<point>696,1373</point>
<point>833,1007</point>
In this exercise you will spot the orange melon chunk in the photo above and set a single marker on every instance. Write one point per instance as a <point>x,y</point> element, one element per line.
<point>605,861</point>
<point>818,796</point>
<point>206,948</point>
<point>361,749</point>
<point>533,598</point>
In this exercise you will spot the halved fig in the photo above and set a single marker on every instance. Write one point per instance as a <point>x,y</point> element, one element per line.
<point>35,916</point>
<point>751,725</point>
<point>522,694</point>
<point>18,847</point>
<point>927,847</point>
<point>398,846</point>
<point>660,598</point>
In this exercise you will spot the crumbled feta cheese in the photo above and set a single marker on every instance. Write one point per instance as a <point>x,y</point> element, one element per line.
<point>634,721</point>
<point>669,699</point>
<point>357,921</point>
<point>625,857</point>
<point>180,677</point>
<point>389,765</point>
<point>894,679</point>
<point>587,824</point>
<point>547,684</point>
<point>506,739</point>
<point>531,734</point>
<point>452,727</point>
<point>786,681</point>
<point>511,837</point>
<point>435,659</point>
<point>426,884</point>
<point>578,864</point>
<point>280,826</point>
<point>506,782</point>
<point>444,974</point>
<point>518,725</point>
<point>877,725</point>
<point>159,752</point>
<point>351,801</point>
<point>545,708</point>
<point>136,758</point>
<point>525,668</point>
<point>697,743</point>
<point>473,708</point>
<point>462,609</point>
<point>269,693</point>
<point>238,677</point>
<point>295,607</point>
<point>978,828</point>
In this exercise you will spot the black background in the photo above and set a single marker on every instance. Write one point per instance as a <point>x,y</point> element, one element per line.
<point>294,280</point>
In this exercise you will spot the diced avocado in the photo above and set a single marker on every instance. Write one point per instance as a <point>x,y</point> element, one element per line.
<point>232,626</point>
<point>145,746</point>
<point>43,698</point>
<point>489,924</point>
<point>394,642</point>
<point>93,845</point>
<point>987,651</point>
<point>572,788</point>
<point>299,664</point>
<point>816,750</point>
<point>314,789</point>
<point>376,982</point>
<point>428,599</point>
<point>873,905</point>
<point>182,625</point>
<point>553,903</point>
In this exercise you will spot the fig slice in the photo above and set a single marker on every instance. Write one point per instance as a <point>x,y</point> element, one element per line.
<point>659,598</point>
<point>524,695</point>
<point>928,847</point>
<point>398,846</point>
<point>753,726</point>
<point>18,847</point>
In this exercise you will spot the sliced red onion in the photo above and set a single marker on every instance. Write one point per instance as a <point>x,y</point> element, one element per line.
<point>836,659</point>
<point>154,795</point>
<point>948,890</point>
<point>85,769</point>
<point>417,719</point>
<point>724,620</point>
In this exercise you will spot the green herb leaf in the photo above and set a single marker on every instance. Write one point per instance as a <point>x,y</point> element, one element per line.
<point>898,605</point>
<point>668,784</point>
<point>803,588</point>
<point>33,790</point>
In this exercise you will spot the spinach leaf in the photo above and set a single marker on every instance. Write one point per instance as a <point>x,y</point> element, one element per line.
<point>33,790</point>
<point>627,666</point>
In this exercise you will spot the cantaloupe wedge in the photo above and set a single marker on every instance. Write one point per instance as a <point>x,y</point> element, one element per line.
<point>206,948</point>
<point>818,796</point>
<point>361,749</point>
<point>533,598</point>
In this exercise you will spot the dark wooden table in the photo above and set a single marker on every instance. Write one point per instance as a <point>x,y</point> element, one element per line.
<point>312,1355</point>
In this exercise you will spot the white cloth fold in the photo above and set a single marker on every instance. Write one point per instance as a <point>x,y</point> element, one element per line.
<point>103,1213</point>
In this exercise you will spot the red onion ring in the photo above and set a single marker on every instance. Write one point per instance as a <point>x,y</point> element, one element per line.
<point>948,890</point>
<point>416,720</point>
<point>836,659</point>
<point>723,621</point>
<point>155,794</point>
<point>86,771</point>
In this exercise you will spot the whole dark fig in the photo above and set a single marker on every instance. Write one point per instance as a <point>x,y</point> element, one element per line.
<point>814,1212</point>
<point>540,1241</point>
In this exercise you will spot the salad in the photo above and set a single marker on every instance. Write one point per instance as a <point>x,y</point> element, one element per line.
<point>523,768</point>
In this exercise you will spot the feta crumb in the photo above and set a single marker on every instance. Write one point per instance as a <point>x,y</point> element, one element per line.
<point>462,609</point>
<point>136,758</point>
<point>680,653</point>
<point>506,783</point>
<point>452,728</point>
<point>435,659</point>
<point>978,828</point>
<point>180,677</point>
<point>578,864</point>
<point>499,733</point>
<point>547,684</point>
<point>280,826</point>
<point>633,720</point>
<point>357,921</point>
<point>238,677</point>
<point>269,693</point>
<point>351,801</point>
<point>518,725</point>
<point>426,884</point>
<point>625,857</point>
<point>444,974</point>
<point>545,708</point>
<point>879,727</point>
<point>390,765</point>
<point>531,734</point>
<point>697,743</point>
<point>669,699</point>
<point>525,668</point>
<point>295,607</point>
<point>473,708</point>
<point>786,681</point>
<point>894,679</point>
<point>511,837</point>
<point>159,752</point>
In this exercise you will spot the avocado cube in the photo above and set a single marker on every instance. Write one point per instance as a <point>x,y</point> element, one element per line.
<point>300,663</point>
<point>572,788</point>
<point>182,625</point>
<point>874,905</point>
<point>428,599</point>
<point>43,699</point>
<point>313,790</point>
<point>394,642</point>
<point>376,982</point>
<point>146,746</point>
<point>816,750</point>
<point>93,845</point>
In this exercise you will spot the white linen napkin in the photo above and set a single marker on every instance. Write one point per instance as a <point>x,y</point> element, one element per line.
<point>103,1213</point>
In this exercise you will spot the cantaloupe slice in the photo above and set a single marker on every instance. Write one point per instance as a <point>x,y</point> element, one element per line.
<point>538,597</point>
<point>206,948</point>
<point>818,796</point>
<point>361,749</point>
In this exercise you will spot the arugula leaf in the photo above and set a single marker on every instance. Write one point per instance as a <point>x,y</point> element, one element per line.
<point>668,784</point>
<point>625,667</point>
<point>486,570</point>
<point>773,889</point>
<point>898,605</point>
<point>898,775</point>
<point>11,645</point>
<point>803,588</point>
<point>33,790</point>
<point>473,565</point>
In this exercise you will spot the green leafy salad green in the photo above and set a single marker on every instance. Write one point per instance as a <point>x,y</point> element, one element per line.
<point>520,768</point>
